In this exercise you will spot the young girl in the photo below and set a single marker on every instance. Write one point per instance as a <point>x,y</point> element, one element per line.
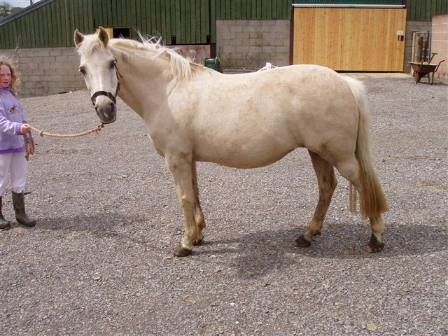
<point>13,127</point>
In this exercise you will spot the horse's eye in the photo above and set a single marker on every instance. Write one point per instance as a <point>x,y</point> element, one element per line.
<point>113,64</point>
<point>83,71</point>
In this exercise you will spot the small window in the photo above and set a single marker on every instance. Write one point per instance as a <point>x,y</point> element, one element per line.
<point>117,32</point>
<point>122,32</point>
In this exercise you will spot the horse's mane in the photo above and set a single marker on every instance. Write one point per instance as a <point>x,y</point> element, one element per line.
<point>182,68</point>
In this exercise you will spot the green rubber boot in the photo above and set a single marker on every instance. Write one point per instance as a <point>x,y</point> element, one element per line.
<point>18,199</point>
<point>4,224</point>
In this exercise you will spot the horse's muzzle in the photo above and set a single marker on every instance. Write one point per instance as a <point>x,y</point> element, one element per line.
<point>107,111</point>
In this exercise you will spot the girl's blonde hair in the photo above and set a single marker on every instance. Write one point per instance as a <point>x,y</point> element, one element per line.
<point>14,75</point>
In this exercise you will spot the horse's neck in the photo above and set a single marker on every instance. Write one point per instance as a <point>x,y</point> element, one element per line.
<point>144,83</point>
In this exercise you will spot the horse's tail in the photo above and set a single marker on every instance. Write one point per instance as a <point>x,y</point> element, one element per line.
<point>373,201</point>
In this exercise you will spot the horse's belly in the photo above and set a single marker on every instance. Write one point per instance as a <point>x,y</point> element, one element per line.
<point>245,141</point>
<point>241,156</point>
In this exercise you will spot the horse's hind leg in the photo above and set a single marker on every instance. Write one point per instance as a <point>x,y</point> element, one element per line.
<point>378,228</point>
<point>198,215</point>
<point>327,182</point>
<point>351,171</point>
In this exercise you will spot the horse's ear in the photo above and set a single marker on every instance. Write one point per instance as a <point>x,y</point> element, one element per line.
<point>78,37</point>
<point>103,36</point>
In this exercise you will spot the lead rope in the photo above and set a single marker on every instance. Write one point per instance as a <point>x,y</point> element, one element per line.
<point>29,142</point>
<point>93,130</point>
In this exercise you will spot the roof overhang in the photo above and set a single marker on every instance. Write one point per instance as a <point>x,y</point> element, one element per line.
<point>321,5</point>
<point>24,11</point>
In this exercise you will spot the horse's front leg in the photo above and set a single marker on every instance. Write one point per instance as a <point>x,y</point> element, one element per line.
<point>198,215</point>
<point>181,169</point>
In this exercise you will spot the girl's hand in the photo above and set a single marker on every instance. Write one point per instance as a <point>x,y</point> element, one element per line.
<point>25,128</point>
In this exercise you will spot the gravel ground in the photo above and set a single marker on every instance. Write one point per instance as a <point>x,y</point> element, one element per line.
<point>99,261</point>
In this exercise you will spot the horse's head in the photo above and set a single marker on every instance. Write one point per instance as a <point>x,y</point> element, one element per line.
<point>99,68</point>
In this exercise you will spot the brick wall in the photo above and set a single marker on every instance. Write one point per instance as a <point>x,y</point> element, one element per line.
<point>251,43</point>
<point>439,43</point>
<point>46,71</point>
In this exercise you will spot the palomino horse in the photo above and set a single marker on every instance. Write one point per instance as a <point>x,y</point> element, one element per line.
<point>194,113</point>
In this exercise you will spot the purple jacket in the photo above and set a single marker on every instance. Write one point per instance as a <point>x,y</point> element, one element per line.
<point>12,117</point>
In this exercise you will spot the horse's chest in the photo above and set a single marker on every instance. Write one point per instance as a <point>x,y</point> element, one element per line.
<point>157,146</point>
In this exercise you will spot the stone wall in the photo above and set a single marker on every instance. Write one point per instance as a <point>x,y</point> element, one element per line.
<point>439,43</point>
<point>45,71</point>
<point>249,44</point>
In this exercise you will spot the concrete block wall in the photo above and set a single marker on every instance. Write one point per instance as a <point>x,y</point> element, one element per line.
<point>439,44</point>
<point>249,44</point>
<point>46,71</point>
<point>413,26</point>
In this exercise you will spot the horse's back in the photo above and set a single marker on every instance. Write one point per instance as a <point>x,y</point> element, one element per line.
<point>255,119</point>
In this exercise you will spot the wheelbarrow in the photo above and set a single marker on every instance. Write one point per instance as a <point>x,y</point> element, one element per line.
<point>213,63</point>
<point>425,68</point>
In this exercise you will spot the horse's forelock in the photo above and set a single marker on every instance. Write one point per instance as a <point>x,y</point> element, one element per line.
<point>89,45</point>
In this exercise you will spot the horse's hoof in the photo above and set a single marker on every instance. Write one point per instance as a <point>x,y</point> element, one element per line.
<point>302,242</point>
<point>6,225</point>
<point>374,245</point>
<point>198,242</point>
<point>182,252</point>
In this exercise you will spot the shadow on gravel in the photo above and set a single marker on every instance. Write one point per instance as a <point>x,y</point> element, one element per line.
<point>100,225</point>
<point>257,254</point>
<point>262,253</point>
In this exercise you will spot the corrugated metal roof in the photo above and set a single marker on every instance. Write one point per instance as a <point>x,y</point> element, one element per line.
<point>24,11</point>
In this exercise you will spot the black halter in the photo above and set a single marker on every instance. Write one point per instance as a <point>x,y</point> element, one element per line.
<point>109,95</point>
